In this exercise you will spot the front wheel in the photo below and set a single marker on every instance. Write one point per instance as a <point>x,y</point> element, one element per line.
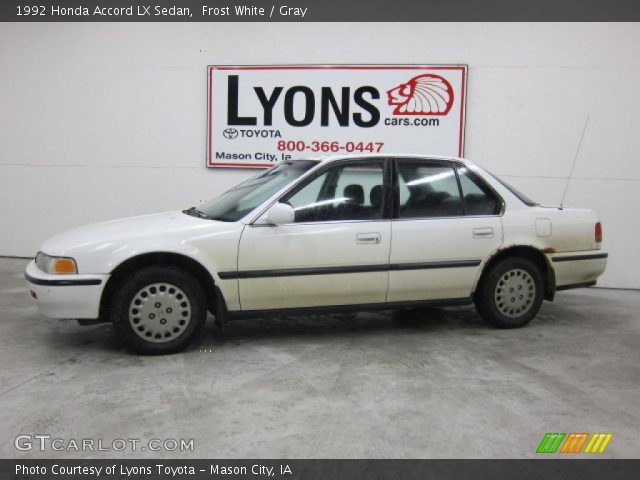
<point>159,310</point>
<point>511,293</point>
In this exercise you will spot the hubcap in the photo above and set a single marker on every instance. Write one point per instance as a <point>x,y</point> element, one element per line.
<point>515,293</point>
<point>159,312</point>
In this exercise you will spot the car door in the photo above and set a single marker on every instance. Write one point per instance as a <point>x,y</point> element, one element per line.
<point>336,252</point>
<point>446,221</point>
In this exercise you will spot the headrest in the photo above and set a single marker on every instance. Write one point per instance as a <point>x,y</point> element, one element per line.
<point>375,196</point>
<point>355,193</point>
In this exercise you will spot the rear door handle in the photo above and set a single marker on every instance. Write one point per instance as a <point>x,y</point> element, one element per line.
<point>370,238</point>
<point>485,232</point>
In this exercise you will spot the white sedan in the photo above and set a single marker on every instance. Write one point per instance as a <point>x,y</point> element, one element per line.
<point>321,235</point>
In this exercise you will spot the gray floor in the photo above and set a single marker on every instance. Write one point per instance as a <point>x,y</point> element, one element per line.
<point>425,384</point>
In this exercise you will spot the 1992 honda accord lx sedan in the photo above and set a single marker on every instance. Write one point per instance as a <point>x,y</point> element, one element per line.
<point>321,235</point>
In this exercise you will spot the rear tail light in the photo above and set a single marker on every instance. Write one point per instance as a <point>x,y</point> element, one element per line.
<point>598,232</point>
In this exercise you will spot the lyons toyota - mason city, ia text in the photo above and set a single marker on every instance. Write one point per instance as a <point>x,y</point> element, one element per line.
<point>129,471</point>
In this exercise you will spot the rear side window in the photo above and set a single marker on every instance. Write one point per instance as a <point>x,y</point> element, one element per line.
<point>428,189</point>
<point>477,196</point>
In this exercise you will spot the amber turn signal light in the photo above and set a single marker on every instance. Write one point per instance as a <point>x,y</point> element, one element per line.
<point>64,265</point>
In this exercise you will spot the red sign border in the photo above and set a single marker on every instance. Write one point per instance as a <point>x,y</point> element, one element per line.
<point>211,68</point>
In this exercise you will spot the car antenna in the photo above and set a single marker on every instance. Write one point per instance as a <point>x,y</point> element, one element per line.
<point>566,187</point>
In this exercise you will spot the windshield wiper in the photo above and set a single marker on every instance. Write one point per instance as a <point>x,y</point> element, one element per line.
<point>194,212</point>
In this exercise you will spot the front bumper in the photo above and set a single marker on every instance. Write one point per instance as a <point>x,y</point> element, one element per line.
<point>65,296</point>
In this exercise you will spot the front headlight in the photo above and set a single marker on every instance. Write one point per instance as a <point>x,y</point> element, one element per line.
<point>60,265</point>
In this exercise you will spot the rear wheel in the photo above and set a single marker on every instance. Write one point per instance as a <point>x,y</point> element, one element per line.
<point>158,310</point>
<point>511,293</point>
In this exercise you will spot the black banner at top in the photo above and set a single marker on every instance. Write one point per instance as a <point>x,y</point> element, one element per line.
<point>318,10</point>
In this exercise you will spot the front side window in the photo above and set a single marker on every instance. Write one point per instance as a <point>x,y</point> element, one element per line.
<point>352,191</point>
<point>234,204</point>
<point>428,189</point>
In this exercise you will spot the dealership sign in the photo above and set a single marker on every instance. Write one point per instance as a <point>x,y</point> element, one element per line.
<point>259,115</point>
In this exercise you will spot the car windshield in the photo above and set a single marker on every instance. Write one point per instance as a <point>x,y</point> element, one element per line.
<point>521,196</point>
<point>234,204</point>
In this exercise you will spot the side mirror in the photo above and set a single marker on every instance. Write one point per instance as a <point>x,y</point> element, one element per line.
<point>278,214</point>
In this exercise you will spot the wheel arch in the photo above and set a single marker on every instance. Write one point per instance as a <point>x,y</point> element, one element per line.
<point>524,251</point>
<point>186,263</point>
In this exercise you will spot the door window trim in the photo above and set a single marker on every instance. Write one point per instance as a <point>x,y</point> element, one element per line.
<point>391,196</point>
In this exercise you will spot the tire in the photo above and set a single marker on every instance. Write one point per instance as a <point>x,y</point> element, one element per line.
<point>158,310</point>
<point>511,293</point>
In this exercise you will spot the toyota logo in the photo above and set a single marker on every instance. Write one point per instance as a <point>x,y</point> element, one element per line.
<point>230,133</point>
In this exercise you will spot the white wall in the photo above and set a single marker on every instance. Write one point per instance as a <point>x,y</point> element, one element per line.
<point>105,120</point>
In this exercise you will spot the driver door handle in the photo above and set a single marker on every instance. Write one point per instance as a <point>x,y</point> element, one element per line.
<point>370,238</point>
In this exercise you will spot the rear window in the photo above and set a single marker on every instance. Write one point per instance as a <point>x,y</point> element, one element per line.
<point>521,196</point>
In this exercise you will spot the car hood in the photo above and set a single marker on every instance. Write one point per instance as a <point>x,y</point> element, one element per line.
<point>116,233</point>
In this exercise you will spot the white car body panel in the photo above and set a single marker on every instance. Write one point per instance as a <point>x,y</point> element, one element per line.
<point>313,245</point>
<point>227,249</point>
<point>99,248</point>
<point>436,240</point>
<point>572,232</point>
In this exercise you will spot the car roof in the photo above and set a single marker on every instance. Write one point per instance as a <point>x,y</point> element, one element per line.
<point>399,156</point>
